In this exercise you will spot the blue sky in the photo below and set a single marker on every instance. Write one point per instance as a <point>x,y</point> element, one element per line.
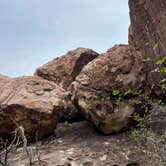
<point>32,32</point>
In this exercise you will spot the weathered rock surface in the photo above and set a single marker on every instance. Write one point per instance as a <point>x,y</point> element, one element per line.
<point>64,69</point>
<point>120,69</point>
<point>147,33</point>
<point>32,102</point>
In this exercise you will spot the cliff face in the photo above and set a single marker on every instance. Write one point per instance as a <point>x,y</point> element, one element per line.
<point>147,32</point>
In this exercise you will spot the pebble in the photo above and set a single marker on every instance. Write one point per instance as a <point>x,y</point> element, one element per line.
<point>103,158</point>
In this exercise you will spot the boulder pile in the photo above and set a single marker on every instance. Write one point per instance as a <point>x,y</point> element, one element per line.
<point>102,88</point>
<point>81,82</point>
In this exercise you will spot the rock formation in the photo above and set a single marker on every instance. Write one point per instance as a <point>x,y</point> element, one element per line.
<point>38,104</point>
<point>33,103</point>
<point>120,70</point>
<point>100,87</point>
<point>64,69</point>
<point>147,34</point>
<point>107,90</point>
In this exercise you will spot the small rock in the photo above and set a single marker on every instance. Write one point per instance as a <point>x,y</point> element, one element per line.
<point>103,158</point>
<point>59,140</point>
<point>106,143</point>
<point>70,151</point>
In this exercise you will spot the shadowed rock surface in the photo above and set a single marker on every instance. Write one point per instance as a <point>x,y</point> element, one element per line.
<point>32,102</point>
<point>147,34</point>
<point>120,69</point>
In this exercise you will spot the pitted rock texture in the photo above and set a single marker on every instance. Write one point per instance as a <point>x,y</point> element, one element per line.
<point>120,69</point>
<point>33,103</point>
<point>147,34</point>
<point>64,69</point>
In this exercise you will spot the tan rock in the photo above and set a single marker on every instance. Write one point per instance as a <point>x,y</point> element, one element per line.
<point>32,102</point>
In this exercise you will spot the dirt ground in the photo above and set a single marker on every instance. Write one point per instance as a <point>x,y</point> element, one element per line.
<point>79,144</point>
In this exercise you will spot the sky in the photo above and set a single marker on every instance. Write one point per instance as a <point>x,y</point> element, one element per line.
<point>33,32</point>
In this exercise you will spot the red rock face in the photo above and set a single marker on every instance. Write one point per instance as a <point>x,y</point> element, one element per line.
<point>64,69</point>
<point>33,103</point>
<point>147,33</point>
<point>120,68</point>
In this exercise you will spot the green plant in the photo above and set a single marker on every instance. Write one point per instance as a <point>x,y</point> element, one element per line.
<point>155,46</point>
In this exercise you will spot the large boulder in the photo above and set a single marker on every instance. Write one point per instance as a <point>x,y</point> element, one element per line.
<point>63,71</point>
<point>99,87</point>
<point>147,33</point>
<point>33,103</point>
